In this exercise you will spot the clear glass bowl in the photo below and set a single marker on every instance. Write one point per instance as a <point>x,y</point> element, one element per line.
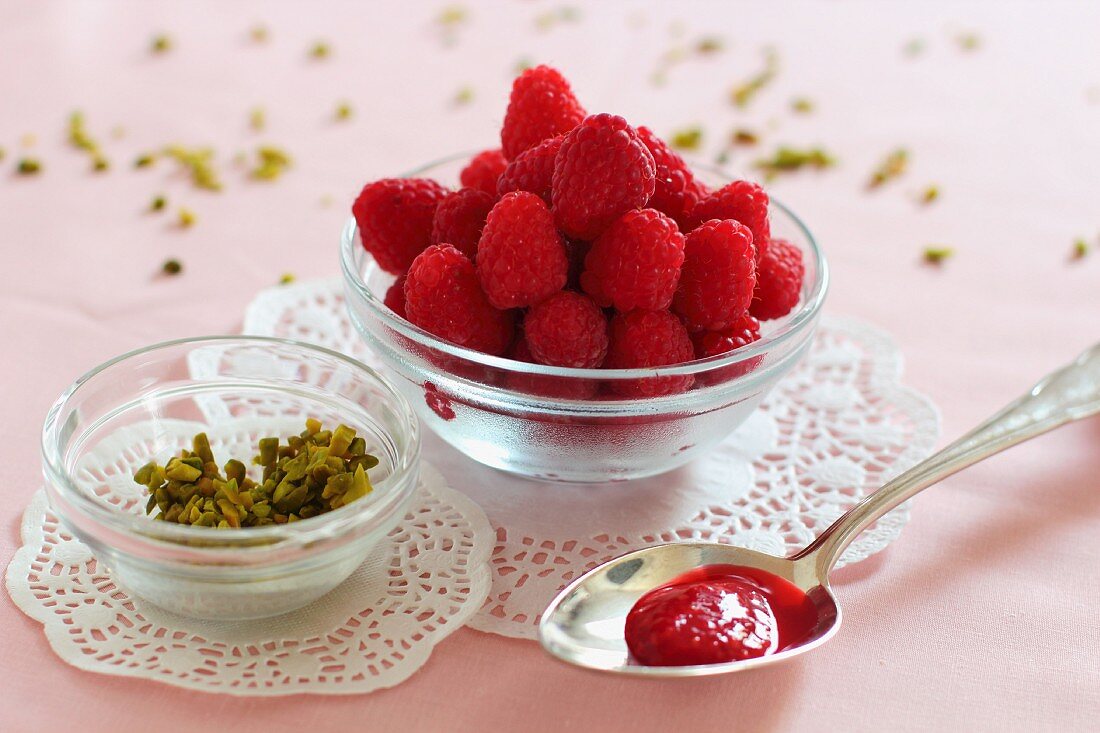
<point>148,403</point>
<point>526,419</point>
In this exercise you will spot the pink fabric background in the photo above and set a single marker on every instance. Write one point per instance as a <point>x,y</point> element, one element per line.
<point>981,617</point>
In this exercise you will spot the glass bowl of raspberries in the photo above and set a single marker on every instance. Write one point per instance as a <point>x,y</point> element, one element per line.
<point>580,304</point>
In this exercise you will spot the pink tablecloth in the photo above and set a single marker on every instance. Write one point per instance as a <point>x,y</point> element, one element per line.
<point>981,617</point>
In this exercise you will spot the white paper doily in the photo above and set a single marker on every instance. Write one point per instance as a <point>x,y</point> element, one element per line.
<point>838,426</point>
<point>421,583</point>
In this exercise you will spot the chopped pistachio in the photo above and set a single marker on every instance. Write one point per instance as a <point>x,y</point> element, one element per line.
<point>271,162</point>
<point>286,279</point>
<point>522,64</point>
<point>78,135</point>
<point>463,96</point>
<point>744,92</point>
<point>708,45</point>
<point>549,19</point>
<point>145,160</point>
<point>199,162</point>
<point>344,111</point>
<point>930,194</point>
<point>28,167</point>
<point>161,43</point>
<point>723,157</point>
<point>688,138</point>
<point>742,136</point>
<point>320,50</point>
<point>172,267</point>
<point>913,47</point>
<point>257,118</point>
<point>937,254</point>
<point>802,105</point>
<point>788,159</point>
<point>100,164</point>
<point>892,166</point>
<point>258,33</point>
<point>968,41</point>
<point>326,201</point>
<point>1080,248</point>
<point>451,15</point>
<point>29,140</point>
<point>2,153</point>
<point>186,218</point>
<point>158,203</point>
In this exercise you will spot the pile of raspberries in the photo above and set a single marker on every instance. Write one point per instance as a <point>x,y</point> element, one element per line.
<point>581,242</point>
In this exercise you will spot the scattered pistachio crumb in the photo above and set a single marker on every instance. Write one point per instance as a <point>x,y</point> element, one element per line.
<point>161,43</point>
<point>145,160</point>
<point>452,15</point>
<point>118,132</point>
<point>186,218</point>
<point>787,159</point>
<point>464,96</point>
<point>28,167</point>
<point>172,267</point>
<point>29,140</point>
<point>968,41</point>
<point>258,33</point>
<point>522,64</point>
<point>344,111</point>
<point>78,135</point>
<point>743,136</point>
<point>913,47</point>
<point>1080,248</point>
<point>199,162</point>
<point>158,203</point>
<point>892,166</point>
<point>320,50</point>
<point>100,164</point>
<point>287,278</point>
<point>708,45</point>
<point>326,201</point>
<point>688,138</point>
<point>2,153</point>
<point>257,119</point>
<point>549,19</point>
<point>271,162</point>
<point>930,194</point>
<point>744,92</point>
<point>802,105</point>
<point>723,157</point>
<point>937,254</point>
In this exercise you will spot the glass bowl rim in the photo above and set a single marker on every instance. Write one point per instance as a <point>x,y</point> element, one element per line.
<point>377,506</point>
<point>801,319</point>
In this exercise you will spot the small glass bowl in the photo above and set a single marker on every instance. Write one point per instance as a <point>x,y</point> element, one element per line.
<point>147,404</point>
<point>564,424</point>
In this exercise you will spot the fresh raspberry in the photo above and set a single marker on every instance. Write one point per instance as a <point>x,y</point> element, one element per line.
<point>544,385</point>
<point>578,250</point>
<point>542,105</point>
<point>744,201</point>
<point>521,258</point>
<point>636,262</point>
<point>676,191</point>
<point>483,170</point>
<point>718,276</point>
<point>602,171</point>
<point>703,622</point>
<point>532,170</point>
<point>744,331</point>
<point>395,219</point>
<point>640,339</point>
<point>459,219</point>
<point>395,297</point>
<point>779,281</point>
<point>443,296</point>
<point>568,330</point>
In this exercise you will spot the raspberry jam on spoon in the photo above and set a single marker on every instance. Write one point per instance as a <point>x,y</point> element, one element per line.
<point>718,613</point>
<point>688,609</point>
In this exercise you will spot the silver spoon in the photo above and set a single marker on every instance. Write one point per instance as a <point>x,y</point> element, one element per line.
<point>584,624</point>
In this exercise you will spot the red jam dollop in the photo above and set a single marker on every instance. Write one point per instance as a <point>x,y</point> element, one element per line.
<point>718,613</point>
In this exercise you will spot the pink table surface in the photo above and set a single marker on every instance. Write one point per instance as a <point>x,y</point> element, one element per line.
<point>981,617</point>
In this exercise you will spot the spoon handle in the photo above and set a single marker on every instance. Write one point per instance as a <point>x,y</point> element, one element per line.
<point>1068,394</point>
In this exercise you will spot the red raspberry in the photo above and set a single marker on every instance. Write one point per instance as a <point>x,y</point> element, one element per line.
<point>568,330</point>
<point>744,331</point>
<point>676,191</point>
<point>544,385</point>
<point>744,201</point>
<point>641,339</point>
<point>635,263</point>
<point>779,281</point>
<point>395,297</point>
<point>459,219</point>
<point>532,170</point>
<point>578,250</point>
<point>542,105</point>
<point>704,622</point>
<point>395,219</point>
<point>483,170</point>
<point>443,296</point>
<point>521,257</point>
<point>718,276</point>
<point>602,171</point>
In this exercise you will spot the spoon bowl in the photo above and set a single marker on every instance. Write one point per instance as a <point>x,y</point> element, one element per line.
<point>585,624</point>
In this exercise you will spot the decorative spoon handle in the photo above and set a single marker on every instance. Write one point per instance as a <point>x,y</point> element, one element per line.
<point>1068,394</point>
